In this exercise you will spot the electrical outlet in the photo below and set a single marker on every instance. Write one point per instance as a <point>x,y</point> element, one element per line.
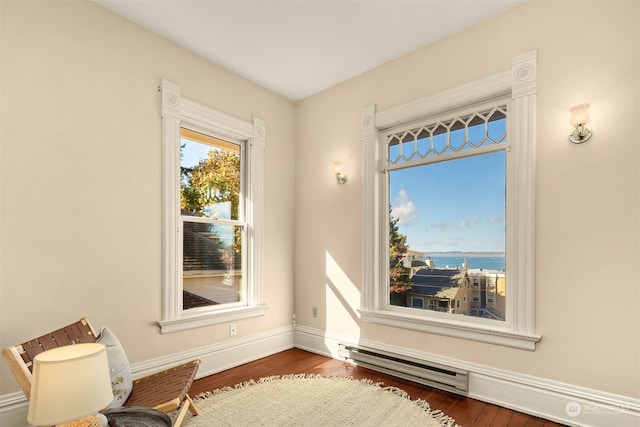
<point>233,330</point>
<point>315,311</point>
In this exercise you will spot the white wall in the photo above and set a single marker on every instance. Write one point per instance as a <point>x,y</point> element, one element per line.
<point>80,174</point>
<point>588,207</point>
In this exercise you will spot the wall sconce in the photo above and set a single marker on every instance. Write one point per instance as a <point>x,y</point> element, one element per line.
<point>579,120</point>
<point>340,176</point>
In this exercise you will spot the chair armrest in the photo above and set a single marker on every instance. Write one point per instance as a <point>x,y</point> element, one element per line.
<point>164,390</point>
<point>18,368</point>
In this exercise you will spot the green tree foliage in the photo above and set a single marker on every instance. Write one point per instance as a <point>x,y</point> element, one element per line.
<point>399,278</point>
<point>214,180</point>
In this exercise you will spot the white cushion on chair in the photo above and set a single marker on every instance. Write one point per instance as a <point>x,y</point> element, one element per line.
<point>121,381</point>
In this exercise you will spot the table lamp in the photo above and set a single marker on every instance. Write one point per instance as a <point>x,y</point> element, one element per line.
<point>70,385</point>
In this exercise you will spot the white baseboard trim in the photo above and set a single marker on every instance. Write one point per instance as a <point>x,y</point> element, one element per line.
<point>221,356</point>
<point>13,410</point>
<point>560,402</point>
<point>214,358</point>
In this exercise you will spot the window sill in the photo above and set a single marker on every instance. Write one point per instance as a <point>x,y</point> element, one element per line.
<point>451,328</point>
<point>209,318</point>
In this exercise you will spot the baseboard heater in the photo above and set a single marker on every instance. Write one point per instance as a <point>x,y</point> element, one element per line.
<point>420,371</point>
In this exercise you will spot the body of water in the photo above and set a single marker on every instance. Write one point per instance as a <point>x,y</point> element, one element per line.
<point>484,262</point>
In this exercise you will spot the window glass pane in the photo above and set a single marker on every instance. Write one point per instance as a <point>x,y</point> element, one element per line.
<point>211,264</point>
<point>209,176</point>
<point>394,149</point>
<point>457,136</point>
<point>440,140</point>
<point>447,236</point>
<point>497,129</point>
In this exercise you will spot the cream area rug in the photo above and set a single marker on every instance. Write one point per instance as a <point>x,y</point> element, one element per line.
<point>313,400</point>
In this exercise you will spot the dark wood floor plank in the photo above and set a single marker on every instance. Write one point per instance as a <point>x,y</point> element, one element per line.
<point>487,416</point>
<point>502,418</point>
<point>467,412</point>
<point>518,419</point>
<point>535,422</point>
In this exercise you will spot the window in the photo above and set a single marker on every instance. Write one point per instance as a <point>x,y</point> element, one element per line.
<point>212,215</point>
<point>444,178</point>
<point>484,132</point>
<point>212,218</point>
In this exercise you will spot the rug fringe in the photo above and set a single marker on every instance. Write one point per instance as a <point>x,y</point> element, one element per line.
<point>438,415</point>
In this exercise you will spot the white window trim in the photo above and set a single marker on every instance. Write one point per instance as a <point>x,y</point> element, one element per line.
<point>520,83</point>
<point>178,112</point>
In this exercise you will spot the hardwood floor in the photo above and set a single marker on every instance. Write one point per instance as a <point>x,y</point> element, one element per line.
<point>467,412</point>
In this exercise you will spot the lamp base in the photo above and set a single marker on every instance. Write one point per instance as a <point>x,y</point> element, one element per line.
<point>90,421</point>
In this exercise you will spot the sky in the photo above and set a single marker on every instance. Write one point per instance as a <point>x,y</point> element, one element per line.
<point>192,152</point>
<point>457,205</point>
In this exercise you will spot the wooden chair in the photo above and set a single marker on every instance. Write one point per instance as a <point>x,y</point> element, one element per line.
<point>165,391</point>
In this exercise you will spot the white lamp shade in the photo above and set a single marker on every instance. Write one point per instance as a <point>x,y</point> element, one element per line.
<point>337,167</point>
<point>579,114</point>
<point>69,382</point>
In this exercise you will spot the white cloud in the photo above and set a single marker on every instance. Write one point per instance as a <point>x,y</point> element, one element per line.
<point>442,226</point>
<point>404,209</point>
<point>469,223</point>
<point>402,198</point>
<point>447,244</point>
<point>496,219</point>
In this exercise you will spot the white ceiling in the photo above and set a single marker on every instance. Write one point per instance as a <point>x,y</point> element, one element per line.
<point>299,47</point>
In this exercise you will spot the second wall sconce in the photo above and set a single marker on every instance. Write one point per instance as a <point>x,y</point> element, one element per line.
<point>340,175</point>
<point>579,121</point>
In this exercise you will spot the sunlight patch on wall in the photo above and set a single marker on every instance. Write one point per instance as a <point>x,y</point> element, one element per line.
<point>342,296</point>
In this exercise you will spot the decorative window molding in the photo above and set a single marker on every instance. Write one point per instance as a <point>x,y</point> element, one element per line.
<point>518,330</point>
<point>178,112</point>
